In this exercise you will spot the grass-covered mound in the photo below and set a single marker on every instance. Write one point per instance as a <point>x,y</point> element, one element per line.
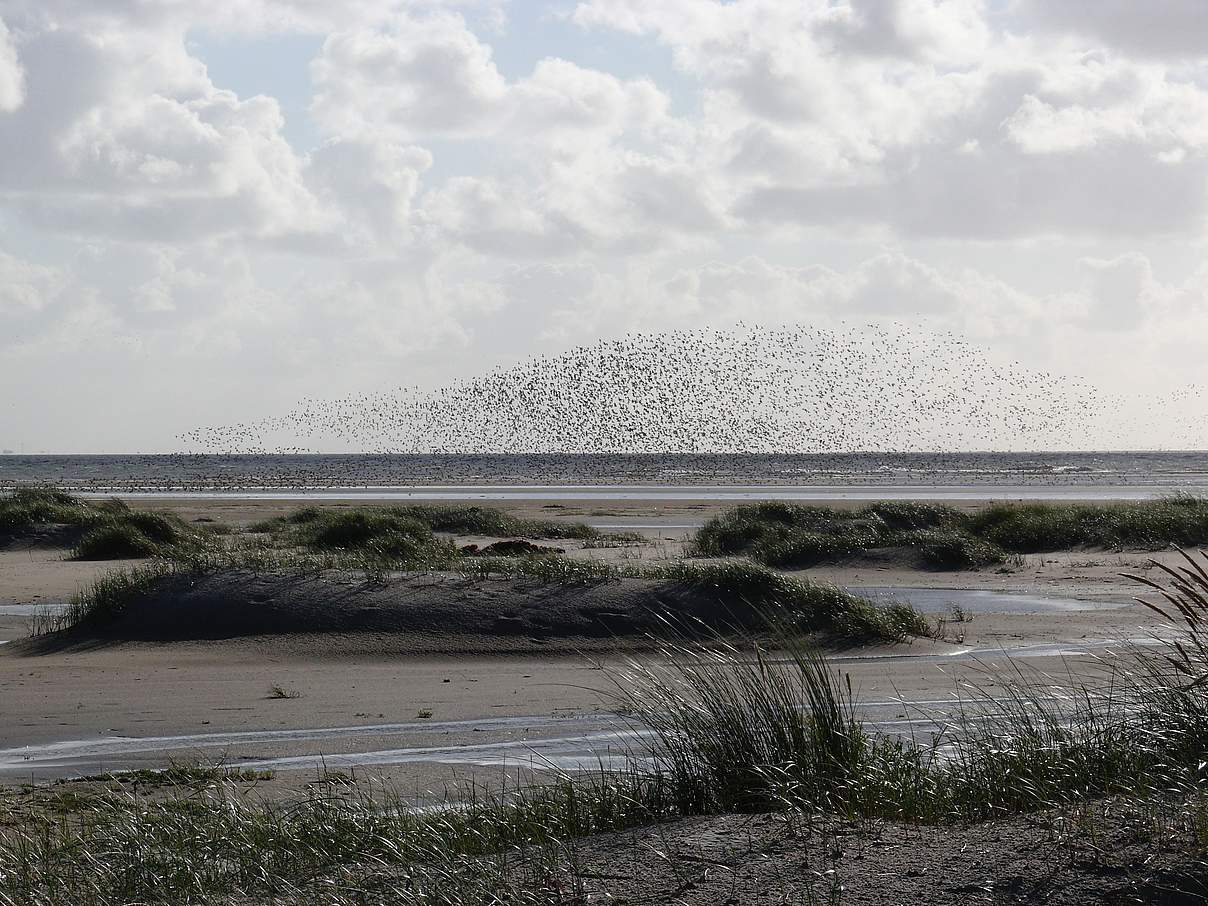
<point>791,535</point>
<point>379,532</point>
<point>95,530</point>
<point>1149,525</point>
<point>940,537</point>
<point>454,520</point>
<point>25,509</point>
<point>525,601</point>
<point>114,541</point>
<point>494,523</point>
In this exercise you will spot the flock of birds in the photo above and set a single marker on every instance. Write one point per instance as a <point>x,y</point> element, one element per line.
<point>783,390</point>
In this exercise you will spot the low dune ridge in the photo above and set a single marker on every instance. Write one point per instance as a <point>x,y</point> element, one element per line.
<point>430,611</point>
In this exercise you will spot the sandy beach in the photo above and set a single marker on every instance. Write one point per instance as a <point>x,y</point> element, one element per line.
<point>378,703</point>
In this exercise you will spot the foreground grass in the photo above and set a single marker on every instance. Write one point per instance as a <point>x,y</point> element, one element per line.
<point>940,537</point>
<point>366,846</point>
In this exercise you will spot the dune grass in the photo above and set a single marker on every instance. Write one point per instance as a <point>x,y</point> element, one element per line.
<point>105,599</point>
<point>478,520</point>
<point>121,533</point>
<point>104,529</point>
<point>942,538</point>
<point>25,508</point>
<point>742,592</point>
<point>385,534</point>
<point>745,591</point>
<point>792,535</point>
<point>1027,528</point>
<point>114,541</point>
<point>215,845</point>
<point>455,520</point>
<point>770,725</point>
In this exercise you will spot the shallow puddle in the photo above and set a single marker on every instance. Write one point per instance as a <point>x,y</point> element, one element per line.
<point>938,600</point>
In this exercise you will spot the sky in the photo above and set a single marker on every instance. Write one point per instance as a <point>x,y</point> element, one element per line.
<point>209,211</point>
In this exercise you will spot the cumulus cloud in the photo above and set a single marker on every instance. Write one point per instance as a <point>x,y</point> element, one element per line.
<point>915,116</point>
<point>132,139</point>
<point>429,76</point>
<point>426,75</point>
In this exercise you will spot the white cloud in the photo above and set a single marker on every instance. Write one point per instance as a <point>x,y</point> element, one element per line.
<point>430,77</point>
<point>948,31</point>
<point>851,113</point>
<point>426,75</point>
<point>12,75</point>
<point>132,139</point>
<point>495,220</point>
<point>1154,27</point>
<point>372,184</point>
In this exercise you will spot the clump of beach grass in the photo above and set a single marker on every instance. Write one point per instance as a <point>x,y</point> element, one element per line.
<point>492,522</point>
<point>106,598</point>
<point>747,722</point>
<point>25,508</point>
<point>1034,527</point>
<point>722,714</point>
<point>114,541</point>
<point>406,534</point>
<point>791,535</point>
<point>124,533</point>
<point>104,530</point>
<point>384,534</point>
<point>453,520</point>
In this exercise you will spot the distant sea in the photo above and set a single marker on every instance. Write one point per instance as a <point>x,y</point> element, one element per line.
<point>1089,473</point>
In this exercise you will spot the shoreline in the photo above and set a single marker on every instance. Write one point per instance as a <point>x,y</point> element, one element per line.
<point>685,493</point>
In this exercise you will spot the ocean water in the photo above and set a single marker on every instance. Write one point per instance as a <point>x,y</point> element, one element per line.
<point>1047,474</point>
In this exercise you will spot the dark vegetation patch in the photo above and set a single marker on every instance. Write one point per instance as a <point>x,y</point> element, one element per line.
<point>114,541</point>
<point>942,538</point>
<point>454,520</point>
<point>96,530</point>
<point>1029,527</point>
<point>516,547</point>
<point>494,523</point>
<point>380,532</point>
<point>178,774</point>
<point>46,516</point>
<point>526,601</point>
<point>568,843</point>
